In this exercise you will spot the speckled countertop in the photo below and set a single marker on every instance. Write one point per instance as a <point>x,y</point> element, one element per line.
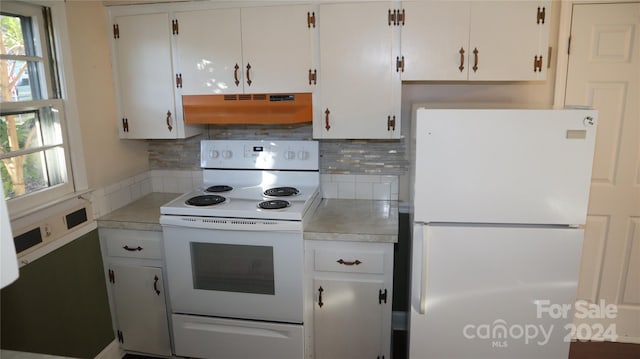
<point>335,219</point>
<point>354,220</point>
<point>143,214</point>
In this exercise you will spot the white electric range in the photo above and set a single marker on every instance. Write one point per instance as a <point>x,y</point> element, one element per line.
<point>234,251</point>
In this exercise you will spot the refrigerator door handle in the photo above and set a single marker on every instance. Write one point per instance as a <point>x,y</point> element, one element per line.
<point>424,276</point>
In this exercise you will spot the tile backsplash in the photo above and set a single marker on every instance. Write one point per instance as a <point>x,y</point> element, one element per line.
<point>361,157</point>
<point>350,169</point>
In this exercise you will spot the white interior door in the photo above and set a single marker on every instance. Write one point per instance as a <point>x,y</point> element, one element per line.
<point>604,72</point>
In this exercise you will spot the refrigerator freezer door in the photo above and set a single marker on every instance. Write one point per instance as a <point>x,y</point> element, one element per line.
<point>493,292</point>
<point>503,166</point>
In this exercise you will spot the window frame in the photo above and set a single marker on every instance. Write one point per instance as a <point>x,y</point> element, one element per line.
<point>58,92</point>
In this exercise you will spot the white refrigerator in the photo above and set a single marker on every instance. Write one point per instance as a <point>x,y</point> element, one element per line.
<point>499,203</point>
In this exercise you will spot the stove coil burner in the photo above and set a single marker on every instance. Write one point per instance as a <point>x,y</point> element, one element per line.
<point>206,200</point>
<point>218,189</point>
<point>281,192</point>
<point>274,204</point>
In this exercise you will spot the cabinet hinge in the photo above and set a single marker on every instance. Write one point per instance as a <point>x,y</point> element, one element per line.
<point>537,63</point>
<point>116,31</point>
<point>313,77</point>
<point>174,26</point>
<point>382,296</point>
<point>391,125</point>
<point>311,19</point>
<point>396,17</point>
<point>541,15</point>
<point>399,63</point>
<point>125,124</point>
<point>112,276</point>
<point>179,81</point>
<point>400,18</point>
<point>120,336</point>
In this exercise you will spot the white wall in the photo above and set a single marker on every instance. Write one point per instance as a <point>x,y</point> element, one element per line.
<point>108,159</point>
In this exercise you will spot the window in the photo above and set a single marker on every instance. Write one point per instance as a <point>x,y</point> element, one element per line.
<point>34,153</point>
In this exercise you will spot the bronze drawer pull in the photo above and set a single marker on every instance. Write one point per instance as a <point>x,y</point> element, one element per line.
<point>138,248</point>
<point>342,261</point>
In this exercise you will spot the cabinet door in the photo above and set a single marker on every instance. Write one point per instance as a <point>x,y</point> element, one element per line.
<point>508,37</point>
<point>144,76</point>
<point>358,83</point>
<point>435,40</point>
<point>209,47</point>
<point>276,43</point>
<point>141,312</point>
<point>348,319</point>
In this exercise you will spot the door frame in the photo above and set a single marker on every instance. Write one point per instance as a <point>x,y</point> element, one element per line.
<point>562,69</point>
<point>564,33</point>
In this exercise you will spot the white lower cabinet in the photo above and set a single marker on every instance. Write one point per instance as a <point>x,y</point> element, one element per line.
<point>134,269</point>
<point>348,302</point>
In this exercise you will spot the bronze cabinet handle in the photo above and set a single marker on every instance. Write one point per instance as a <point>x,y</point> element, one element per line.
<point>342,261</point>
<point>320,290</point>
<point>130,249</point>
<point>461,59</point>
<point>235,74</point>
<point>248,74</point>
<point>326,119</point>
<point>475,59</point>
<point>155,285</point>
<point>169,126</point>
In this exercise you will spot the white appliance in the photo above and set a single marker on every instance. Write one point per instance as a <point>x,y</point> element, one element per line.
<point>234,250</point>
<point>499,203</point>
<point>9,263</point>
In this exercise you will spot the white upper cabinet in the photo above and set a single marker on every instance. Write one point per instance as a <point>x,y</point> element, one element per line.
<point>263,49</point>
<point>144,78</point>
<point>276,43</point>
<point>358,85</point>
<point>478,40</point>
<point>208,46</point>
<point>432,37</point>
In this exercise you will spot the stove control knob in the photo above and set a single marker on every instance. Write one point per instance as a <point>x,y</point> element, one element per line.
<point>226,154</point>
<point>214,154</point>
<point>303,155</point>
<point>290,155</point>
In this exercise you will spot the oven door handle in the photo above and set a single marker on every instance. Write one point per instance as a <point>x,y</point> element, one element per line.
<point>237,330</point>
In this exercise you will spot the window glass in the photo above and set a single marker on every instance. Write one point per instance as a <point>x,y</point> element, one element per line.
<point>33,143</point>
<point>233,268</point>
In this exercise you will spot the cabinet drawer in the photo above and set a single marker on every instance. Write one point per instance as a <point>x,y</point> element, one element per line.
<point>133,244</point>
<point>349,261</point>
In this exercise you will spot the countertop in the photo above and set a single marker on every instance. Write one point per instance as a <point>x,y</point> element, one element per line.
<point>354,220</point>
<point>335,219</point>
<point>143,214</point>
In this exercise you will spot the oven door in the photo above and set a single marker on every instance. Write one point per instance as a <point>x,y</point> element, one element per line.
<point>234,268</point>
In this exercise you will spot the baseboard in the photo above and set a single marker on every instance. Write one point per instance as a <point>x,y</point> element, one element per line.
<point>111,351</point>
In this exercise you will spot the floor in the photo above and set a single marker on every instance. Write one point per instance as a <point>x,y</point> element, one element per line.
<point>604,350</point>
<point>579,350</point>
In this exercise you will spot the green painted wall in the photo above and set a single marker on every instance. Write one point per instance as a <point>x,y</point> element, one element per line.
<point>59,303</point>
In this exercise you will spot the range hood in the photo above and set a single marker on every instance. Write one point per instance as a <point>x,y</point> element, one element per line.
<point>247,108</point>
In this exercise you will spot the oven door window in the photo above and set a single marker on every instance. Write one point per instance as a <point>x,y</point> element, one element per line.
<point>232,268</point>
